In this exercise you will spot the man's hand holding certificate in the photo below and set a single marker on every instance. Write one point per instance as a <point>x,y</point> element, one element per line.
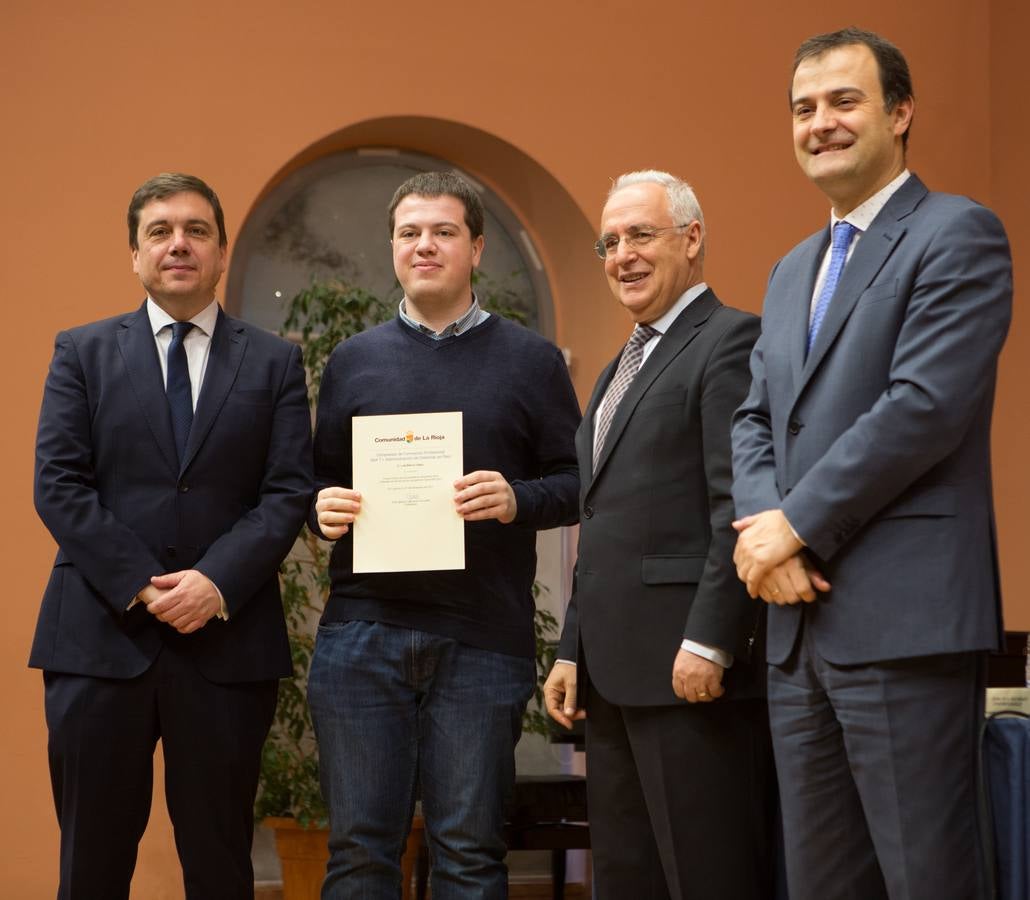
<point>336,508</point>
<point>413,499</point>
<point>485,495</point>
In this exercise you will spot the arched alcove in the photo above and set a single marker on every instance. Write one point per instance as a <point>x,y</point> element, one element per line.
<point>543,224</point>
<point>327,219</point>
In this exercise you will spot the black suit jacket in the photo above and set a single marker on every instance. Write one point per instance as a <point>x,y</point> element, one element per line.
<point>109,487</point>
<point>655,547</point>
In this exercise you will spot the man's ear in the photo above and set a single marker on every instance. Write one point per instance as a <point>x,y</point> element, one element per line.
<point>695,235</point>
<point>902,114</point>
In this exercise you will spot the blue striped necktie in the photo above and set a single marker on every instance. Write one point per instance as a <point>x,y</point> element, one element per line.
<point>843,232</point>
<point>177,387</point>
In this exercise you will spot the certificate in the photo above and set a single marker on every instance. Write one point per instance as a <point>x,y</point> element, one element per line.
<point>404,468</point>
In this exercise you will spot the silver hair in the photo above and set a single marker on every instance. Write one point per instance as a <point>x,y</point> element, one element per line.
<point>683,203</point>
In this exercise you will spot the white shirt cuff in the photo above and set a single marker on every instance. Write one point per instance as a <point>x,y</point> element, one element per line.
<point>712,654</point>
<point>800,539</point>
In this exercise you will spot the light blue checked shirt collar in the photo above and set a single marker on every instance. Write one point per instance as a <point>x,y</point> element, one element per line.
<point>472,317</point>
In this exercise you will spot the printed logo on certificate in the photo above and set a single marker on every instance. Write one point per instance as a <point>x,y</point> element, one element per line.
<point>405,467</point>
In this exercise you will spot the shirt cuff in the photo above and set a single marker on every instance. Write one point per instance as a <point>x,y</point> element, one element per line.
<point>222,613</point>
<point>712,654</point>
<point>567,662</point>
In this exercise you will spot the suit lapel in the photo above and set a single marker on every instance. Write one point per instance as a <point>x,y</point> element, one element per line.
<point>873,250</point>
<point>682,331</point>
<point>139,352</point>
<point>228,344</point>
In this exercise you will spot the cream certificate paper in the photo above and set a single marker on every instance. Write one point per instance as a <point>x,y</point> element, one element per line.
<point>405,467</point>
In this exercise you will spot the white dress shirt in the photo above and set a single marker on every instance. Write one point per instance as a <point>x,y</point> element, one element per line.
<point>861,217</point>
<point>661,325</point>
<point>197,343</point>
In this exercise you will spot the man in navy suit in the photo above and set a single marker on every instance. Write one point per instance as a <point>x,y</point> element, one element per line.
<point>862,481</point>
<point>173,468</point>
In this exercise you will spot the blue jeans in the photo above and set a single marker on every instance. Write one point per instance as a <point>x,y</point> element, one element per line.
<point>396,710</point>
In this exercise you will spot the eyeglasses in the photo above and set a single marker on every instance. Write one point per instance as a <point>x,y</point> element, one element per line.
<point>635,238</point>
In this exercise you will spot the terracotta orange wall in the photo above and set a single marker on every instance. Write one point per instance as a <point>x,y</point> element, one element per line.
<point>101,96</point>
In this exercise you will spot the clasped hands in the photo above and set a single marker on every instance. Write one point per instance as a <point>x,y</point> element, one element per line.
<point>770,563</point>
<point>478,495</point>
<point>186,600</point>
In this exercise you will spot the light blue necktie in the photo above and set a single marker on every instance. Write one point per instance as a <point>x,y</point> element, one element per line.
<point>177,387</point>
<point>843,232</point>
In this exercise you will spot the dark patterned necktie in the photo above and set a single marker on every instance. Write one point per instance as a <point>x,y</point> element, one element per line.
<point>180,396</point>
<point>629,364</point>
<point>843,232</point>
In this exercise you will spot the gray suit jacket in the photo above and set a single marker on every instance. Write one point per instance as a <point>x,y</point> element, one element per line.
<point>877,446</point>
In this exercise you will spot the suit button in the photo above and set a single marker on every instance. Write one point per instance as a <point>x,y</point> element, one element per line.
<point>184,488</point>
<point>588,512</point>
<point>794,426</point>
<point>170,551</point>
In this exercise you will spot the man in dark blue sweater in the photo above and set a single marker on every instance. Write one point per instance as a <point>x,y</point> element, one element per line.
<point>420,679</point>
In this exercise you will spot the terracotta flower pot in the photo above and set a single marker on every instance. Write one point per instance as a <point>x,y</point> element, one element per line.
<point>303,853</point>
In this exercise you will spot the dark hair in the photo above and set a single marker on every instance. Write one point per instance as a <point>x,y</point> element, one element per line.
<point>895,80</point>
<point>164,185</point>
<point>441,184</point>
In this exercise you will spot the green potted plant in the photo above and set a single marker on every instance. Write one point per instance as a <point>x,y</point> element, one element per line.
<point>289,799</point>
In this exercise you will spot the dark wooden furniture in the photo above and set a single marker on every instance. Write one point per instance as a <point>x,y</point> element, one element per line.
<point>545,812</point>
<point>1007,667</point>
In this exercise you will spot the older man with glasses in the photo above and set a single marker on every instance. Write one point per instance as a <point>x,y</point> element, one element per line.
<point>661,649</point>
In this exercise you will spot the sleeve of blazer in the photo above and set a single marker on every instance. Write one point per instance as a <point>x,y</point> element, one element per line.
<point>110,556</point>
<point>942,372</point>
<point>332,442</point>
<point>568,643</point>
<point>722,615</point>
<point>754,461</point>
<point>247,555</point>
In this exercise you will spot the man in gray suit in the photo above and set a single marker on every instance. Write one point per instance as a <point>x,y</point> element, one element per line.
<point>862,481</point>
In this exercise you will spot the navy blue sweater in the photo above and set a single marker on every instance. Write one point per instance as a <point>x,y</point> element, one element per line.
<point>519,416</point>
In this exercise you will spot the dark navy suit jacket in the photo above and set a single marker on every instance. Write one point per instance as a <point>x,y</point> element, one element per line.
<point>109,487</point>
